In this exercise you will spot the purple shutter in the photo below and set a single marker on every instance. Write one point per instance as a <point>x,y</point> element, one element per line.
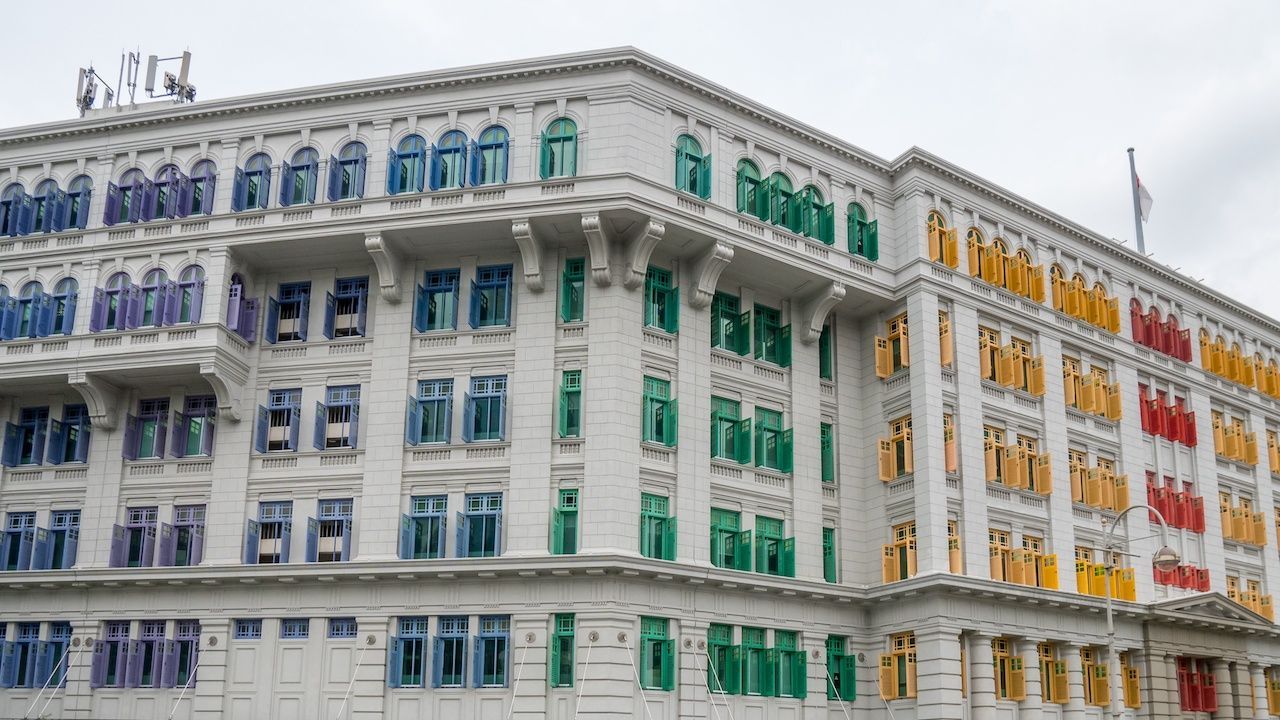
<point>118,547</point>
<point>98,315</point>
<point>172,303</point>
<point>12,445</point>
<point>148,546</point>
<point>260,432</point>
<point>207,430</point>
<point>286,184</point>
<point>334,190</point>
<point>162,432</point>
<point>82,441</point>
<point>238,191</point>
<point>184,198</point>
<point>329,315</point>
<point>69,314</point>
<point>362,308</point>
<point>168,546</point>
<point>133,310</point>
<point>168,664</point>
<point>206,197</point>
<point>133,663</point>
<point>249,321</point>
<point>129,451</point>
<point>37,441</point>
<point>57,442</point>
<point>234,301</point>
<point>178,443</point>
<point>111,208</point>
<point>98,668</point>
<point>197,301</point>
<point>150,209</point>
<point>137,198</point>
<point>197,545</point>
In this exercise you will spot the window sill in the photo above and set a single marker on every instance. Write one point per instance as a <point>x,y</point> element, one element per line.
<point>456,452</point>
<point>466,337</point>
<point>167,468</point>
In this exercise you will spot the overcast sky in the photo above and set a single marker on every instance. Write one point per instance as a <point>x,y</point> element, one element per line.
<point>1041,98</point>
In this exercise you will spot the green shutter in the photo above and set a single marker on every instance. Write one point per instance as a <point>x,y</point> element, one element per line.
<point>742,441</point>
<point>668,664</point>
<point>742,190</point>
<point>760,442</point>
<point>771,657</point>
<point>553,665</point>
<point>650,295</point>
<point>794,213</point>
<point>828,453</point>
<point>742,333</point>
<point>557,532</point>
<point>849,677</point>
<point>704,177</point>
<point>759,333</point>
<point>827,230</point>
<point>672,324</point>
<point>645,535</point>
<point>799,675</point>
<point>785,454</point>
<point>784,346</point>
<point>564,412</point>
<point>544,158</point>
<point>668,539</point>
<point>872,241</point>
<point>787,558</point>
<point>682,168</point>
<point>717,545</point>
<point>646,421</point>
<point>775,206</point>
<point>829,554</point>
<point>742,551</point>
<point>824,353</point>
<point>566,301</point>
<point>671,425</point>
<point>571,161</point>
<point>762,552</point>
<point>764,201</point>
<point>732,679</point>
<point>716,432</point>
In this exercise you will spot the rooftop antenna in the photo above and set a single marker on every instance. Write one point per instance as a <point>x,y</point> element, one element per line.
<point>87,90</point>
<point>177,86</point>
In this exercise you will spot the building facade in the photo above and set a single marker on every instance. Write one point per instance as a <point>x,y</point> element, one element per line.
<point>582,387</point>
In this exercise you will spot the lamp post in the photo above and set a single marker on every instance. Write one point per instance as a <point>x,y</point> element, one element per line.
<point>1164,559</point>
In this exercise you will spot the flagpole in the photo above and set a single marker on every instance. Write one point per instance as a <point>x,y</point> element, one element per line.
<point>1137,204</point>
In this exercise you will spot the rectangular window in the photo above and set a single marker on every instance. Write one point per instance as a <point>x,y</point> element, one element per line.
<point>431,413</point>
<point>560,665</point>
<point>842,670</point>
<point>287,317</point>
<point>789,669</point>
<point>186,648</point>
<point>730,546</point>
<point>437,305</point>
<point>110,656</point>
<point>68,439</point>
<point>657,528</point>
<point>275,530</point>
<point>755,668</point>
<point>730,435</point>
<point>248,630</point>
<point>337,422</point>
<point>657,655</point>
<point>661,301</point>
<point>24,443</point>
<point>829,554</point>
<point>492,647</point>
<point>346,308</point>
<point>773,339</point>
<point>572,299</point>
<point>827,437</point>
<point>19,540</point>
<point>133,545</point>
<point>898,668</point>
<point>570,420</point>
<point>64,538</point>
<point>342,628</point>
<point>491,297</point>
<point>20,658</point>
<point>730,328</point>
<point>422,530</point>
<point>773,444</point>
<point>486,409</point>
<point>659,423</point>
<point>480,528</point>
<point>450,653</point>
<point>723,660</point>
<point>898,558</point>
<point>564,524</point>
<point>775,555</point>
<point>194,427</point>
<point>407,651</point>
<point>295,629</point>
<point>187,538</point>
<point>145,433</point>
<point>149,649</point>
<point>279,421</point>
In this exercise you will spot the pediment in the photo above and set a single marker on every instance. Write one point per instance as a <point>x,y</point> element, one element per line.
<point>1210,606</point>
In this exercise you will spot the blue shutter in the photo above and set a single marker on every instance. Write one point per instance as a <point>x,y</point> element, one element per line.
<point>329,311</point>
<point>206,197</point>
<point>313,179</point>
<point>448,418</point>
<point>359,179</point>
<point>69,314</point>
<point>44,663</point>
<point>304,315</point>
<point>181,428</point>
<point>12,445</point>
<point>286,184</point>
<point>433,182</point>
<point>111,208</point>
<point>441,533</point>
<point>9,664</point>
<point>260,432</point>
<point>502,416</point>
<point>272,332</point>
<point>286,539</point>
<point>169,665</point>
<point>474,317</point>
<point>395,658</point>
<point>237,192</point>
<point>334,188</point>
<point>420,164</point>
<point>44,311</point>
<point>413,421</point>
<point>437,661</point>
<point>40,550</point>
<point>82,441</point>
<point>318,433</point>
<point>56,211</point>
<point>473,165</point>
<point>69,548</point>
<point>26,541</point>
<point>454,321</point>
<point>295,422</point>
<point>497,534</point>
<point>346,540</point>
<point>460,550</point>
<point>506,157</point>
<point>9,318</point>
<point>477,661</point>
<point>420,310</point>
<point>393,188</point>
<point>362,311</point>
<point>57,442</point>
<point>249,320</point>
<point>353,426</point>
<point>406,537</point>
<point>82,217</point>
<point>468,418</point>
<point>313,539</point>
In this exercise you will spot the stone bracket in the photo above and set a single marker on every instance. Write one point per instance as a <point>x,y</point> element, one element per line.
<point>706,273</point>
<point>641,242</point>
<point>225,389</point>
<point>598,244</point>
<point>100,397</point>
<point>637,245</point>
<point>387,261</point>
<point>531,243</point>
<point>814,310</point>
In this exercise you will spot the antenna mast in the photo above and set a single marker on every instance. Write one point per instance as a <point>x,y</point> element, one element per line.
<point>178,86</point>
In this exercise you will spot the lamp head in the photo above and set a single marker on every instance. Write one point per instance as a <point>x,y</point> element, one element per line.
<point>1166,559</point>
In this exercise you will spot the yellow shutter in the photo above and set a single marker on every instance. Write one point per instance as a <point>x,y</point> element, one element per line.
<point>1017,275</point>
<point>1060,681</point>
<point>1131,689</point>
<point>1251,448</point>
<point>1049,572</point>
<point>951,249</point>
<point>884,362</point>
<point>888,678</point>
<point>1077,482</point>
<point>935,244</point>
<point>1019,377</point>
<point>1013,466</point>
<point>954,559</point>
<point>975,258</point>
<point>1004,370</point>
<point>911,674</point>
<point>904,347</point>
<point>1113,314</point>
<point>1083,572</point>
<point>996,563</point>
<point>1036,282</point>
<point>908,457</point>
<point>1088,394</point>
<point>1070,383</point>
<point>1219,436</point>
<point>1036,384</point>
<point>886,461</point>
<point>985,350</point>
<point>1058,292</point>
<point>1259,528</point>
<point>911,558</point>
<point>1108,488</point>
<point>1206,353</point>
<point>1017,680</point>
<point>1231,442</point>
<point>1100,402</point>
<point>1128,585</point>
<point>1240,524</point>
<point>1224,515</point>
<point>1114,411</point>
<point>989,450</point>
<point>1220,358</point>
<point>1122,492</point>
<point>888,564</point>
<point>1017,567</point>
<point>1044,474</point>
<point>1093,488</point>
<point>1098,580</point>
<point>944,342</point>
<point>949,453</point>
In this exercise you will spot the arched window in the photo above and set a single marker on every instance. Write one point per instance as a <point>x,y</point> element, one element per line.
<point>974,237</point>
<point>47,204</point>
<point>203,178</point>
<point>1138,323</point>
<point>490,163</point>
<point>65,294</point>
<point>190,294</point>
<point>253,184</point>
<point>407,166</point>
<point>169,187</point>
<point>1024,256</point>
<point>77,203</point>
<point>559,155</point>
<point>111,304</point>
<point>29,307</point>
<point>752,198</point>
<point>782,206</point>
<point>936,222</point>
<point>299,177</point>
<point>449,160</point>
<point>153,298</point>
<point>817,219</point>
<point>693,171</point>
<point>15,211</point>
<point>125,201</point>
<point>864,236</point>
<point>346,172</point>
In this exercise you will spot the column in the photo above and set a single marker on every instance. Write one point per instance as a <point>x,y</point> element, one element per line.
<point>1261,708</point>
<point>1075,683</point>
<point>1226,698</point>
<point>206,695</point>
<point>530,699</point>
<point>693,700</point>
<point>611,689</point>
<point>806,417</point>
<point>1172,695</point>
<point>1241,694</point>
<point>1032,707</point>
<point>930,498</point>
<point>937,674</point>
<point>77,700</point>
<point>982,681</point>
<point>691,504</point>
<point>228,158</point>
<point>375,184</point>
<point>969,416</point>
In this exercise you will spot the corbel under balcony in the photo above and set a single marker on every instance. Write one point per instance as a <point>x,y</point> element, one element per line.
<point>227,386</point>
<point>100,397</point>
<point>814,310</point>
<point>637,244</point>
<point>387,261</point>
<point>706,273</point>
<point>531,243</point>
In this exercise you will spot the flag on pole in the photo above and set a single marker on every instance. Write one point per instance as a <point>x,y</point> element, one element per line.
<point>1144,199</point>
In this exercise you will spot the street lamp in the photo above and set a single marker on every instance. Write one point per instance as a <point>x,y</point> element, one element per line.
<point>1164,559</point>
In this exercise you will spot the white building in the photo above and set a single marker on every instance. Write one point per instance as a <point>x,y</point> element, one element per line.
<point>392,399</point>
